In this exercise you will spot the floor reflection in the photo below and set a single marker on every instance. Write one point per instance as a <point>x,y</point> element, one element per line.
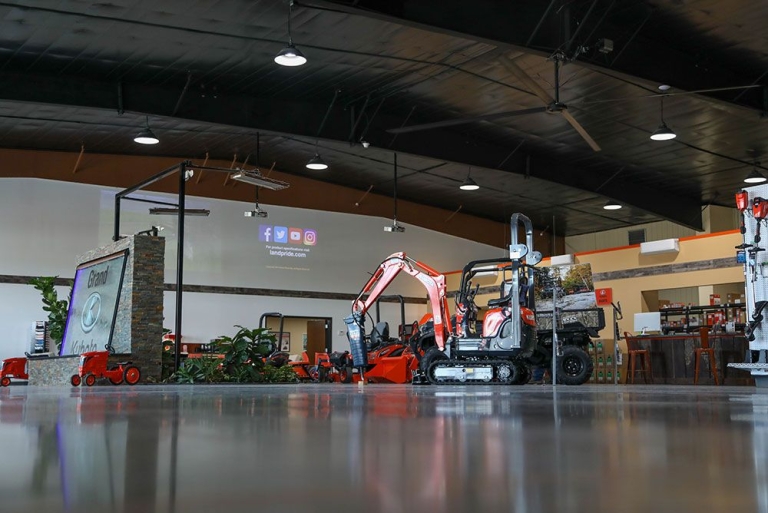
<point>386,449</point>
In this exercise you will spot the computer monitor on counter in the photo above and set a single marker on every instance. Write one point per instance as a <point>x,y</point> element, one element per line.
<point>648,322</point>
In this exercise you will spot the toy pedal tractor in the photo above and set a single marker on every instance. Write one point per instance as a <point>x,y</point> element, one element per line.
<point>13,368</point>
<point>93,365</point>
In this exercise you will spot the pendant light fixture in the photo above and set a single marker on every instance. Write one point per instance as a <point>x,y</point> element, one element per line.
<point>317,163</point>
<point>290,55</point>
<point>146,136</point>
<point>663,133</point>
<point>755,176</point>
<point>612,205</point>
<point>469,184</point>
<point>395,228</point>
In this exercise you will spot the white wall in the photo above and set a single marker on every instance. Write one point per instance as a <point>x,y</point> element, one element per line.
<point>46,224</point>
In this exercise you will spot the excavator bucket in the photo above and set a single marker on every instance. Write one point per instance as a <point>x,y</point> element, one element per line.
<point>355,335</point>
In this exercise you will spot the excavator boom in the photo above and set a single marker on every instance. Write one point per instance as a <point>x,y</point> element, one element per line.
<point>386,272</point>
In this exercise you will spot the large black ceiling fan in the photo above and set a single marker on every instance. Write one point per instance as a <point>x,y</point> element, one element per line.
<point>551,105</point>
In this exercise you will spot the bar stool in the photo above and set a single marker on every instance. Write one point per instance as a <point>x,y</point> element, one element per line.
<point>705,349</point>
<point>635,352</point>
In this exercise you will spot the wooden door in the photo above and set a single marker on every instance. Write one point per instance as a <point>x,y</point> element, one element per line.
<point>315,338</point>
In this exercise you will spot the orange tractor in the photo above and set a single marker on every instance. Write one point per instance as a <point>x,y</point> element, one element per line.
<point>94,365</point>
<point>13,368</point>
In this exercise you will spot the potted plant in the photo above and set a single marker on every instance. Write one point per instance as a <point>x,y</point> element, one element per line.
<point>56,308</point>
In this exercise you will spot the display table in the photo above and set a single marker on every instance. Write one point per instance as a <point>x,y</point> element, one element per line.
<point>672,358</point>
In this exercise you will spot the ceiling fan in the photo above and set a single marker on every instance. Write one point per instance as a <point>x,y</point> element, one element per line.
<point>551,105</point>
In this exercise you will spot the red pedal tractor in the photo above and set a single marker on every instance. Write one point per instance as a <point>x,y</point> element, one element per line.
<point>93,365</point>
<point>13,368</point>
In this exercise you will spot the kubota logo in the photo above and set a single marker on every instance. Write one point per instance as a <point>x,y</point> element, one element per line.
<point>91,312</point>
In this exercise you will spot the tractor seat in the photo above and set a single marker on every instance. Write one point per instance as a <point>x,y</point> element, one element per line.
<point>380,334</point>
<point>495,303</point>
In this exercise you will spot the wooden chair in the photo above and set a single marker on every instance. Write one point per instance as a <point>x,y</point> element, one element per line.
<point>705,349</point>
<point>635,351</point>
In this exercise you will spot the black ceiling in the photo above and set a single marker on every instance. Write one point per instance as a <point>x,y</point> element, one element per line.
<point>87,73</point>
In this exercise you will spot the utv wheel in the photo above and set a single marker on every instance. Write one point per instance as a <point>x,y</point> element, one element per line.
<point>5,381</point>
<point>524,374</point>
<point>75,380</point>
<point>574,367</point>
<point>345,374</point>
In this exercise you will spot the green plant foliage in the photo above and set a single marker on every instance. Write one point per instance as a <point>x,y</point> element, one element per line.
<point>244,361</point>
<point>248,345</point>
<point>56,308</point>
<point>200,370</point>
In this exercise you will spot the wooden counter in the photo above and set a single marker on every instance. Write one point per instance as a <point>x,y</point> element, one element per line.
<point>673,358</point>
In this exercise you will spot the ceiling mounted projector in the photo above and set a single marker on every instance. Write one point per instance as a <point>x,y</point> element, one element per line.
<point>394,228</point>
<point>256,213</point>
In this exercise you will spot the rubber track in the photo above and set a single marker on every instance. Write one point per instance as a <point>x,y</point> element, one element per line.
<point>464,363</point>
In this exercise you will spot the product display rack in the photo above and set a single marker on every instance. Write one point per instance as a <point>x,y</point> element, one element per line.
<point>689,319</point>
<point>602,362</point>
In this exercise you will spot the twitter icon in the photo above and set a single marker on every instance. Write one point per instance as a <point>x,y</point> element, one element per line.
<point>281,234</point>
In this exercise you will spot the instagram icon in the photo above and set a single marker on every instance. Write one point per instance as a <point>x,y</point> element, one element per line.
<point>310,237</point>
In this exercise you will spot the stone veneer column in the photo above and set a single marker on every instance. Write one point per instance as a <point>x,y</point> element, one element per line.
<point>139,320</point>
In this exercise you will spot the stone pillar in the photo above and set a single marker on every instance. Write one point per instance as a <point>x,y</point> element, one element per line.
<point>139,321</point>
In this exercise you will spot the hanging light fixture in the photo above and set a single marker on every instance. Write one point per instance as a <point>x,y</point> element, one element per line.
<point>469,184</point>
<point>663,133</point>
<point>612,205</point>
<point>290,55</point>
<point>317,163</point>
<point>755,176</point>
<point>146,136</point>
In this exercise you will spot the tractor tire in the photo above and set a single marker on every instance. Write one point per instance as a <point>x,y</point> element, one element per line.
<point>574,367</point>
<point>76,380</point>
<point>5,381</point>
<point>432,355</point>
<point>345,374</point>
<point>90,380</point>
<point>118,381</point>
<point>131,375</point>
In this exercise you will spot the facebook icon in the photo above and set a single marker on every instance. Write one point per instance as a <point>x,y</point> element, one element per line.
<point>265,233</point>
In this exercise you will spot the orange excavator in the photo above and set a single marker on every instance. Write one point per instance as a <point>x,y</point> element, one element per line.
<point>452,350</point>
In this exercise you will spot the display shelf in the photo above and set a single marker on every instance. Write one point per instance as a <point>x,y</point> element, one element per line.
<point>690,318</point>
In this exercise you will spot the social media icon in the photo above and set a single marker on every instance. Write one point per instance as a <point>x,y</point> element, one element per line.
<point>310,237</point>
<point>265,233</point>
<point>295,235</point>
<point>281,234</point>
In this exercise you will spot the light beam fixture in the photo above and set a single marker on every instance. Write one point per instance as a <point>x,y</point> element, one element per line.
<point>663,133</point>
<point>612,205</point>
<point>160,211</point>
<point>317,163</point>
<point>755,176</point>
<point>469,184</point>
<point>255,177</point>
<point>146,136</point>
<point>290,55</point>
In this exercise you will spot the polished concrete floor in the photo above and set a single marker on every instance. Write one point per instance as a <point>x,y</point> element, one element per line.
<point>379,448</point>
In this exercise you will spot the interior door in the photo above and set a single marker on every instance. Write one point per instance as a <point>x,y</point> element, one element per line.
<point>315,338</point>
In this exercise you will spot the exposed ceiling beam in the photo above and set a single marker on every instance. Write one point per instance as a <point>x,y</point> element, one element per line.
<point>510,25</point>
<point>302,119</point>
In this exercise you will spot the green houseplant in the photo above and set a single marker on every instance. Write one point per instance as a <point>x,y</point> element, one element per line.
<point>56,308</point>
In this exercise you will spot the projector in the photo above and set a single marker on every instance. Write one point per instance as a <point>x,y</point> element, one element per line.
<point>256,213</point>
<point>394,228</point>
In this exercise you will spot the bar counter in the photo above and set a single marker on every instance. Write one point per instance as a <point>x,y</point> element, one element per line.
<point>673,358</point>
